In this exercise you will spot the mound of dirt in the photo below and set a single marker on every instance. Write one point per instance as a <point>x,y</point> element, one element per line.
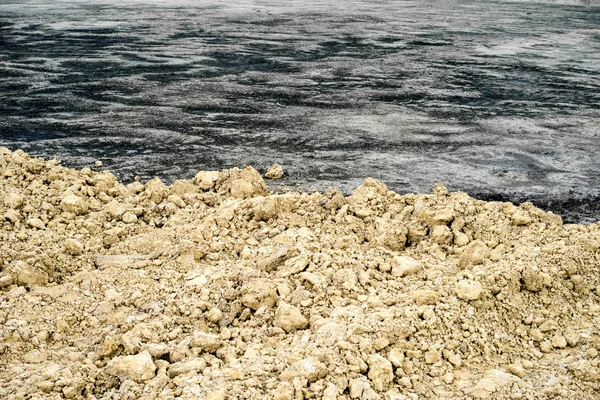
<point>215,288</point>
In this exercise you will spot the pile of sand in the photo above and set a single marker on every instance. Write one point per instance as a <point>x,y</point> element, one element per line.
<point>214,288</point>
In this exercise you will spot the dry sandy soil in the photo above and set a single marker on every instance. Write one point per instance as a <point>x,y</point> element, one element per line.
<point>215,288</point>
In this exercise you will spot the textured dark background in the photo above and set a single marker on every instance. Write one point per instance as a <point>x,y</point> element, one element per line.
<point>499,99</point>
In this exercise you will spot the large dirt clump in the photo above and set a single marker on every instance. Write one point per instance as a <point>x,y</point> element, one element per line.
<point>215,288</point>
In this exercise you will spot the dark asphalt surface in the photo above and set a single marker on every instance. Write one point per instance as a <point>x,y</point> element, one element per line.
<point>498,99</point>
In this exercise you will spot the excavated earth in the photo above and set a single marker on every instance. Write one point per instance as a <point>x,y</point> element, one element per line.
<point>214,288</point>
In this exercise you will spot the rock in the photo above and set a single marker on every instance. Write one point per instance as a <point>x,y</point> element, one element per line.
<point>36,223</point>
<point>468,290</point>
<point>417,230</point>
<point>438,216</point>
<point>357,387</point>
<point>115,209</point>
<point>5,281</point>
<point>309,368</point>
<point>381,372</point>
<point>493,380</point>
<point>432,356</point>
<point>460,239</point>
<point>532,279</point>
<point>195,366</point>
<point>474,254</point>
<point>289,318</point>
<point>521,217</point>
<point>207,342</point>
<point>390,233</point>
<point>396,357</point>
<point>260,294</point>
<point>12,215</point>
<point>73,247</point>
<point>275,172</point>
<point>516,369</point>
<point>73,204</point>
<point>272,261</point>
<point>137,367</point>
<point>206,180</point>
<point>405,265</point>
<point>14,200</point>
<point>155,190</point>
<point>35,357</point>
<point>424,296</point>
<point>245,183</point>
<point>29,277</point>
<point>293,266</point>
<point>264,208</point>
<point>284,391</point>
<point>559,341</point>
<point>441,234</point>
<point>129,217</point>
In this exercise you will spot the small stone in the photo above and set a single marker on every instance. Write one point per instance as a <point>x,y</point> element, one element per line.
<point>405,265</point>
<point>197,365</point>
<point>460,239</point>
<point>559,341</point>
<point>260,294</point>
<point>441,234</point>
<point>284,391</point>
<point>129,218</point>
<point>396,357</point>
<point>36,223</point>
<point>275,172</point>
<point>12,215</point>
<point>73,204</point>
<point>138,367</point>
<point>98,163</point>
<point>35,357</point>
<point>440,216</point>
<point>289,318</point>
<point>521,217</point>
<point>14,200</point>
<point>572,339</point>
<point>207,342</point>
<point>73,247</point>
<point>468,290</point>
<point>358,387</point>
<point>380,343</point>
<point>474,254</point>
<point>546,346</point>
<point>5,281</point>
<point>516,369</point>
<point>432,356</point>
<point>536,335</point>
<point>532,279</point>
<point>214,315</point>
<point>310,368</point>
<point>29,278</point>
<point>115,209</point>
<point>381,372</point>
<point>206,180</point>
<point>424,296</point>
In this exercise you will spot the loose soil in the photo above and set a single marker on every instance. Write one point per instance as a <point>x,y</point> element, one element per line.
<point>215,288</point>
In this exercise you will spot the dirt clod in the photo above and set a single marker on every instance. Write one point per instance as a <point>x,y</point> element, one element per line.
<point>215,288</point>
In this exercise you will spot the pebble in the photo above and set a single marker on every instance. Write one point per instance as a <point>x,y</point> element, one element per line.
<point>138,368</point>
<point>289,317</point>
<point>275,172</point>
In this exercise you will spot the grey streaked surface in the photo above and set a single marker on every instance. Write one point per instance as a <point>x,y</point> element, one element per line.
<point>499,99</point>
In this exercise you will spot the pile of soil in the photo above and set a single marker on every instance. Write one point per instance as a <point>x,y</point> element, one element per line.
<point>215,288</point>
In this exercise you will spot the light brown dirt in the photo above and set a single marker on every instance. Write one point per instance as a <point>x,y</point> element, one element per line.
<point>216,289</point>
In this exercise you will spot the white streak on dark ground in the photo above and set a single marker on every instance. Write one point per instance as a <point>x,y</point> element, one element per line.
<point>495,98</point>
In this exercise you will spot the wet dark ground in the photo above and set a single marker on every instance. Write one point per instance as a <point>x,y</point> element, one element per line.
<point>498,99</point>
